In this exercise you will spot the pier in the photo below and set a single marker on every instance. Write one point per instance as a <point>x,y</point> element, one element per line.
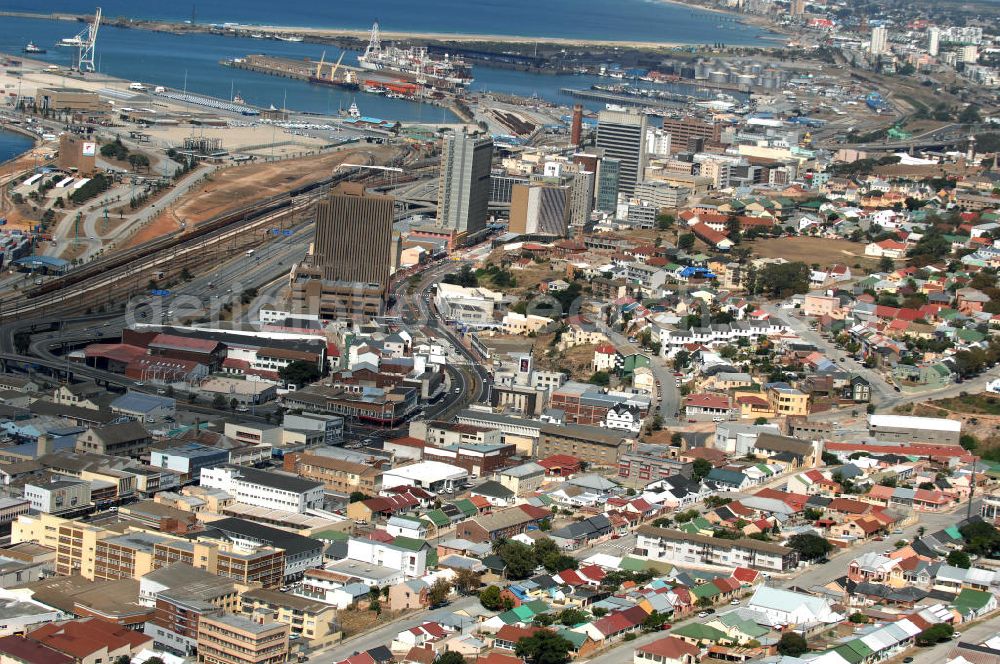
<point>625,100</point>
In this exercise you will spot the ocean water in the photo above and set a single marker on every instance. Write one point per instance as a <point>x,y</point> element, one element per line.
<point>647,20</point>
<point>12,144</point>
<point>192,62</point>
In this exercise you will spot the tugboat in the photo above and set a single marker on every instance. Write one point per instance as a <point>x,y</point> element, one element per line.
<point>237,99</point>
<point>32,48</point>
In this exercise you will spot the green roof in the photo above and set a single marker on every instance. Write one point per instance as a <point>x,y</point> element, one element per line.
<point>545,499</point>
<point>953,532</point>
<point>688,528</point>
<point>467,506</point>
<point>701,633</point>
<point>702,523</point>
<point>973,600</point>
<point>970,336</point>
<point>438,517</point>
<point>576,638</point>
<point>639,565</point>
<point>523,612</point>
<point>851,656</point>
<point>509,617</point>
<point>748,627</point>
<point>705,590</point>
<point>537,606</point>
<point>411,543</point>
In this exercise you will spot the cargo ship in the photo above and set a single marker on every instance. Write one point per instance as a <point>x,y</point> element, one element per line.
<point>414,62</point>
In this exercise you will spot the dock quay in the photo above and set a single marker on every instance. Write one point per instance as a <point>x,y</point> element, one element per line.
<point>626,100</point>
<point>318,71</point>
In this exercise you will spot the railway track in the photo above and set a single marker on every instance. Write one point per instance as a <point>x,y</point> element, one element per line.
<point>179,248</point>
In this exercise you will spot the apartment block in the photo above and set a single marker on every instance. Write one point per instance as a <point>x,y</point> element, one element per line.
<point>680,548</point>
<point>232,639</point>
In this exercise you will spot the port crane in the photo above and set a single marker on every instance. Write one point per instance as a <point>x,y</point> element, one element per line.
<point>335,67</point>
<point>87,43</point>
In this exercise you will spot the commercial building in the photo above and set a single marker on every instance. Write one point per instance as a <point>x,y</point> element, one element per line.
<point>354,235</point>
<point>308,619</point>
<point>58,496</point>
<point>338,475</point>
<point>661,194</point>
<point>581,199</point>
<point>333,300</point>
<point>622,136</point>
<point>608,177</point>
<point>188,459</point>
<point>686,129</point>
<point>680,548</point>
<point>594,445</point>
<point>277,491</point>
<point>231,639</point>
<point>74,100</point>
<point>125,439</point>
<point>908,429</point>
<point>464,184</point>
<point>77,154</point>
<point>413,564</point>
<point>540,209</point>
<point>428,475</point>
<point>300,553</point>
<point>879,40</point>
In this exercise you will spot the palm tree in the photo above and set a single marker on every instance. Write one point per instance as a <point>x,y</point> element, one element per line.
<point>498,544</point>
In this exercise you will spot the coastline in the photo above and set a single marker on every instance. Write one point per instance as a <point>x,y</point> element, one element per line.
<point>456,37</point>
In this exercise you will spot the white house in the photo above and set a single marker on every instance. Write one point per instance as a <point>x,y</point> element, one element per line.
<point>886,248</point>
<point>406,527</point>
<point>261,488</point>
<point>786,607</point>
<point>624,417</point>
<point>410,563</point>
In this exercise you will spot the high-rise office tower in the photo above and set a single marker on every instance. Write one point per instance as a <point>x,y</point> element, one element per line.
<point>933,41</point>
<point>581,198</point>
<point>576,128</point>
<point>540,207</point>
<point>353,239</point>
<point>879,40</point>
<point>464,183</point>
<point>608,173</point>
<point>657,143</point>
<point>622,135</point>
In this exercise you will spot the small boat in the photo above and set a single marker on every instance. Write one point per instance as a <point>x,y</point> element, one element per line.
<point>290,39</point>
<point>237,99</point>
<point>32,48</point>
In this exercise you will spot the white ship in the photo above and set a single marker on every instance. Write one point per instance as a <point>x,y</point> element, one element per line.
<point>414,61</point>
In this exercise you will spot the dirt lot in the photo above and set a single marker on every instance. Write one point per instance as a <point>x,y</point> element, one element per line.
<point>574,361</point>
<point>239,185</point>
<point>811,250</point>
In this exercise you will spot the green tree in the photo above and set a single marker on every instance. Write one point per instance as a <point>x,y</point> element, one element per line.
<point>981,538</point>
<point>602,378</point>
<point>490,598</point>
<point>466,581</point>
<point>783,280</point>
<point>654,621</point>
<point>519,559</point>
<point>935,634</point>
<point>439,591</point>
<point>449,657</point>
<point>299,372</point>
<point>544,647</point>
<point>885,264</point>
<point>959,559</point>
<point>218,402</point>
<point>572,617</point>
<point>792,644</point>
<point>810,546</point>
<point>701,468</point>
<point>357,496</point>
<point>686,241</point>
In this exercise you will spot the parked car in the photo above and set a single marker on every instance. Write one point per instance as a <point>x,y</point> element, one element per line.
<point>703,614</point>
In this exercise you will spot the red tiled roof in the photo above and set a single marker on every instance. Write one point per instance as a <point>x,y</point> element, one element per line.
<point>571,578</point>
<point>670,647</point>
<point>705,400</point>
<point>420,655</point>
<point>31,652</point>
<point>82,638</point>
<point>606,349</point>
<point>613,623</point>
<point>745,574</point>
<point>513,633</point>
<point>185,343</point>
<point>848,506</point>
<point>123,353</point>
<point>535,512</point>
<point>726,585</point>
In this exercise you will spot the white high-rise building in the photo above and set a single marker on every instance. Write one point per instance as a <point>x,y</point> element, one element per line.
<point>657,142</point>
<point>933,41</point>
<point>968,54</point>
<point>879,41</point>
<point>622,136</point>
